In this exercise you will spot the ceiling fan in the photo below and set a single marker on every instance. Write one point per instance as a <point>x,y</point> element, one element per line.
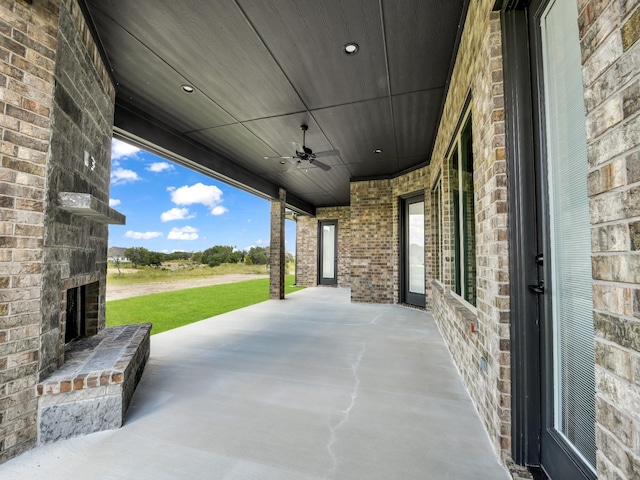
<point>305,153</point>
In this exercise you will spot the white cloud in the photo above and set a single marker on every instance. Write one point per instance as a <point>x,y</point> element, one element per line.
<point>158,167</point>
<point>207,195</point>
<point>259,241</point>
<point>120,149</point>
<point>142,235</point>
<point>184,233</point>
<point>122,175</point>
<point>219,210</point>
<point>114,202</point>
<point>175,214</point>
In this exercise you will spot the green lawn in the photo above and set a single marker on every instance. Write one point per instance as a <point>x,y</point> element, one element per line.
<point>171,271</point>
<point>174,309</point>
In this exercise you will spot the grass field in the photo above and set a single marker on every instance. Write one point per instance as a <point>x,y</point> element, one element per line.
<point>177,271</point>
<point>175,309</point>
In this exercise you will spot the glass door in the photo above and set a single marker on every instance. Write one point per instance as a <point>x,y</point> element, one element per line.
<point>567,438</point>
<point>328,252</point>
<point>413,251</point>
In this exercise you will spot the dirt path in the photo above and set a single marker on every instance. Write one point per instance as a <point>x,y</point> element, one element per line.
<point>117,292</point>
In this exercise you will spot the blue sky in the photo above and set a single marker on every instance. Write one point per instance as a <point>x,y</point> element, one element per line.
<point>170,207</point>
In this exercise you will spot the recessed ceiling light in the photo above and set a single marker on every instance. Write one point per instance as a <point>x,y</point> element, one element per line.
<point>282,162</point>
<point>377,150</point>
<point>187,89</point>
<point>351,48</point>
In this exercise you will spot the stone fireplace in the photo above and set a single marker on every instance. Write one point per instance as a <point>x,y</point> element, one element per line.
<point>55,174</point>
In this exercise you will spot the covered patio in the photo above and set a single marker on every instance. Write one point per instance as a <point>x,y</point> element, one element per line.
<point>311,387</point>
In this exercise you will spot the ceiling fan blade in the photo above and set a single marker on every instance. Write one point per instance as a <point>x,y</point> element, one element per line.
<point>320,165</point>
<point>268,158</point>
<point>328,153</point>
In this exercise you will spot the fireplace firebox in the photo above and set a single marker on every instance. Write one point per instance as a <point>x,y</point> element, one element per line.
<point>76,318</point>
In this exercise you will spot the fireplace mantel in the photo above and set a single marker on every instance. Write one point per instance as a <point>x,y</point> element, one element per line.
<point>88,206</point>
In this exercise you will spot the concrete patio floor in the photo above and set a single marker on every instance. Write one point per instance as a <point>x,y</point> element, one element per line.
<point>313,387</point>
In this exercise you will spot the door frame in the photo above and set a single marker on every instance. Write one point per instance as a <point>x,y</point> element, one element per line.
<point>321,280</point>
<point>520,134</point>
<point>416,299</point>
<point>524,107</point>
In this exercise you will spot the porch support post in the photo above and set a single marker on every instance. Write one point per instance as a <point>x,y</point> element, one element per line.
<point>277,263</point>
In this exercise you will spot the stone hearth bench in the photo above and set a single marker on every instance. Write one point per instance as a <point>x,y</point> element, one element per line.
<point>92,390</point>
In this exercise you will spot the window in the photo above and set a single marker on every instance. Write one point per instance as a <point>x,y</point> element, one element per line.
<point>436,202</point>
<point>464,228</point>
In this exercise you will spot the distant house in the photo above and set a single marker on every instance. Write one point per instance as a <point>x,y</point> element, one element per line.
<point>116,253</point>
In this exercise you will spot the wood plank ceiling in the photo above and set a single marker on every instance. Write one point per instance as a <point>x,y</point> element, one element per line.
<point>262,68</point>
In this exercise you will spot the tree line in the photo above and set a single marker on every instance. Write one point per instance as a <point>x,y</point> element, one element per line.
<point>214,256</point>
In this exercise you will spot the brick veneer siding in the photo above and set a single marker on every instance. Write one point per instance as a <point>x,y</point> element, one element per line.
<point>27,55</point>
<point>478,338</point>
<point>372,242</point>
<point>375,264</point>
<point>307,246</point>
<point>56,101</point>
<point>609,32</point>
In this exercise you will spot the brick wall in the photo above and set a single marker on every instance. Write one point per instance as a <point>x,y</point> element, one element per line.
<point>27,55</point>
<point>372,268</point>
<point>372,242</point>
<point>609,32</point>
<point>307,246</point>
<point>478,338</point>
<point>57,102</point>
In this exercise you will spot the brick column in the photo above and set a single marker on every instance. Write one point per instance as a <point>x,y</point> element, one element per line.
<point>277,263</point>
